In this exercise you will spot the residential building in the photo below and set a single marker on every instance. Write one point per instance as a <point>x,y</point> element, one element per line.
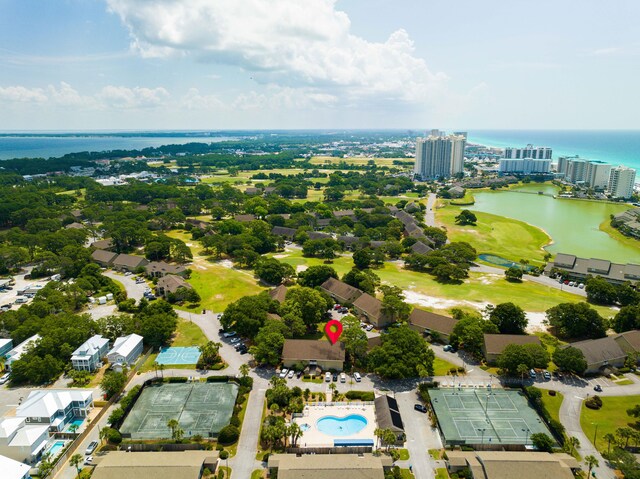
<point>313,353</point>
<point>575,170</point>
<point>158,269</point>
<point>530,151</point>
<point>279,293</point>
<point>420,248</point>
<point>628,222</point>
<point>525,166</point>
<point>503,465</point>
<point>129,262</point>
<point>55,407</point>
<point>601,354</point>
<point>88,357</point>
<point>244,218</point>
<point>17,352</point>
<point>439,327</point>
<point>105,244</point>
<point>579,269</point>
<point>159,465</point>
<point>340,292</point>
<point>388,416</point>
<point>75,226</point>
<point>597,174</point>
<point>288,233</point>
<point>439,156</point>
<point>319,466</point>
<point>21,441</point>
<point>629,341</point>
<point>170,283</point>
<point>621,182</point>
<point>494,344</point>
<point>5,346</point>
<point>14,469</point>
<point>104,258</point>
<point>126,350</point>
<point>370,309</point>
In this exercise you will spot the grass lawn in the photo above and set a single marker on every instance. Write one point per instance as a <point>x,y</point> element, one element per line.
<point>435,454</point>
<point>188,334</point>
<point>257,474</point>
<point>322,160</point>
<point>552,403</point>
<point>441,367</point>
<point>441,473</point>
<point>404,454</point>
<point>406,474</point>
<point>505,237</point>
<point>467,200</point>
<point>615,234</point>
<point>316,380</point>
<point>227,471</point>
<point>610,417</point>
<point>624,382</point>
<point>233,449</point>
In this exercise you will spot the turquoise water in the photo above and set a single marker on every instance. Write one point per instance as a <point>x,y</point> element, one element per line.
<point>178,355</point>
<point>56,448</point>
<point>76,422</point>
<point>612,146</point>
<point>342,426</point>
<point>499,261</point>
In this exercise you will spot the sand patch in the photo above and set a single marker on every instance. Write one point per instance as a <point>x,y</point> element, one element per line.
<point>301,267</point>
<point>440,303</point>
<point>280,256</point>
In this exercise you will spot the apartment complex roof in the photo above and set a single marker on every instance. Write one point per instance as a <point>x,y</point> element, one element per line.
<point>90,347</point>
<point>312,350</point>
<point>495,343</point>
<point>103,256</point>
<point>159,465</point>
<point>318,466</point>
<point>596,267</point>
<point>279,293</point>
<point>129,260</point>
<point>502,465</point>
<point>125,344</point>
<point>599,350</point>
<point>343,290</point>
<point>388,414</point>
<point>432,321</point>
<point>172,282</point>
<point>370,305</point>
<point>164,268</point>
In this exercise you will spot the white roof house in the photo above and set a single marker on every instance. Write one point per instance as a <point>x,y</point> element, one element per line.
<point>88,355</point>
<point>13,469</point>
<point>5,346</point>
<point>22,442</point>
<point>20,349</point>
<point>55,407</point>
<point>126,349</point>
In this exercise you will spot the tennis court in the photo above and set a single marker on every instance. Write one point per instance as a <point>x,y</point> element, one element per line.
<point>485,416</point>
<point>178,355</point>
<point>200,408</point>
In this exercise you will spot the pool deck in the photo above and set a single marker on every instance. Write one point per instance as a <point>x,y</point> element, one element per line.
<point>312,413</point>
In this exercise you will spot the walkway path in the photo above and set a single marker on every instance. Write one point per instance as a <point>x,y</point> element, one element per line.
<point>429,215</point>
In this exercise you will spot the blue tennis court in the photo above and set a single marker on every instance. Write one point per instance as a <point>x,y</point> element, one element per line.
<point>177,355</point>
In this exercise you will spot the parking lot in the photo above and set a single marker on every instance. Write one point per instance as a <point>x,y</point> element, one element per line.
<point>8,296</point>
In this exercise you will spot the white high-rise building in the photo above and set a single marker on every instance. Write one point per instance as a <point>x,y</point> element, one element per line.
<point>530,151</point>
<point>597,175</point>
<point>439,156</point>
<point>525,166</point>
<point>621,182</point>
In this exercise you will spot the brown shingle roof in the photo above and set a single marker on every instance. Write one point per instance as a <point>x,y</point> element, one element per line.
<point>170,283</point>
<point>129,261</point>
<point>282,231</point>
<point>370,305</point>
<point>432,321</point>
<point>244,218</point>
<point>159,465</point>
<point>420,248</point>
<point>310,350</point>
<point>278,294</point>
<point>103,256</point>
<point>598,350</point>
<point>164,268</point>
<point>103,244</point>
<point>495,343</point>
<point>388,414</point>
<point>339,289</point>
<point>336,466</point>
<point>315,235</point>
<point>629,340</point>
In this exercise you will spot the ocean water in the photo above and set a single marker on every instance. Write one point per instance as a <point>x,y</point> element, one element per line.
<point>618,147</point>
<point>51,145</point>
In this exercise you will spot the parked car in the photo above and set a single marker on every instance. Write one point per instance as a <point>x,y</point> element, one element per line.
<point>88,461</point>
<point>299,374</point>
<point>547,375</point>
<point>344,310</point>
<point>229,334</point>
<point>363,325</point>
<point>357,377</point>
<point>4,378</point>
<point>235,340</point>
<point>128,273</point>
<point>291,373</point>
<point>597,388</point>
<point>581,286</point>
<point>532,374</point>
<point>243,349</point>
<point>447,347</point>
<point>370,327</point>
<point>420,407</point>
<point>91,447</point>
<point>335,377</point>
<point>327,377</point>
<point>283,373</point>
<point>343,378</point>
<point>336,307</point>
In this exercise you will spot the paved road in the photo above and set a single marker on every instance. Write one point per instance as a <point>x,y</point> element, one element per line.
<point>430,215</point>
<point>135,291</point>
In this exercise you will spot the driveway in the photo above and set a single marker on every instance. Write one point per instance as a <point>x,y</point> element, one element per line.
<point>134,290</point>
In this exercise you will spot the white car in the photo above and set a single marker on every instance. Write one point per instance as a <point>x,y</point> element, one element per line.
<point>229,334</point>
<point>357,377</point>
<point>235,340</point>
<point>90,448</point>
<point>343,378</point>
<point>283,373</point>
<point>4,378</point>
<point>128,273</point>
<point>88,461</point>
<point>291,373</point>
<point>327,377</point>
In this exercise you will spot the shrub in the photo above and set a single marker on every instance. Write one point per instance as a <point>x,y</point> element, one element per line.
<point>217,367</point>
<point>461,369</point>
<point>593,402</point>
<point>219,447</point>
<point>217,379</point>
<point>228,435</point>
<point>116,416</point>
<point>624,370</point>
<point>360,395</point>
<point>552,393</point>
<point>235,421</point>
<point>224,454</point>
<point>241,398</point>
<point>395,454</point>
<point>246,382</point>
<point>113,436</point>
<point>177,379</point>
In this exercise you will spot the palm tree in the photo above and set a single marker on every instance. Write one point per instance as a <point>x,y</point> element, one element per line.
<point>295,432</point>
<point>609,438</point>
<point>378,433</point>
<point>522,369</point>
<point>75,461</point>
<point>592,462</point>
<point>173,424</point>
<point>574,443</point>
<point>103,433</point>
<point>161,367</point>
<point>244,370</point>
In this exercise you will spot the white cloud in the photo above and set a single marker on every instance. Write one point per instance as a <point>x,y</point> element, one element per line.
<point>290,43</point>
<point>606,51</point>
<point>67,96</point>
<point>20,94</point>
<point>129,98</point>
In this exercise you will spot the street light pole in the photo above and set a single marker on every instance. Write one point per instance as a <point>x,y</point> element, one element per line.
<point>595,434</point>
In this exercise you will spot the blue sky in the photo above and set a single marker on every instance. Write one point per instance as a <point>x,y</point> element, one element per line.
<point>216,64</point>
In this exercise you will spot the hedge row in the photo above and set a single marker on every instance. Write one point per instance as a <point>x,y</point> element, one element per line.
<point>360,395</point>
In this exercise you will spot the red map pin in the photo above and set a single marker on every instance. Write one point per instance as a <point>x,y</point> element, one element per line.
<point>333,329</point>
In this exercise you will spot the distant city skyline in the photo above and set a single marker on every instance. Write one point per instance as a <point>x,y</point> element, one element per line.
<point>279,64</point>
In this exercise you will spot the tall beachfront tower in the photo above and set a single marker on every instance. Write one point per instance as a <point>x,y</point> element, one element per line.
<point>439,155</point>
<point>530,151</point>
<point>621,182</point>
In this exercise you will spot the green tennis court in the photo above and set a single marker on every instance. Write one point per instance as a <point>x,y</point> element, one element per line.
<point>485,416</point>
<point>200,408</point>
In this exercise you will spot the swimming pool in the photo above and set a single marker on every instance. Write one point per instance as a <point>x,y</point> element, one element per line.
<point>56,448</point>
<point>76,422</point>
<point>341,426</point>
<point>305,427</point>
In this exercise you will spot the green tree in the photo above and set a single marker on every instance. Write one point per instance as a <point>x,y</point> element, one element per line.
<point>209,354</point>
<point>609,438</point>
<point>365,280</point>
<point>600,291</point>
<point>466,217</point>
<point>469,331</point>
<point>362,258</point>
<point>269,342</point>
<point>576,321</point>
<point>591,462</point>
<point>272,271</point>
<point>509,318</point>
<point>403,354</point>
<point>627,319</point>
<point>354,338</point>
<point>542,442</point>
<point>247,315</point>
<point>393,303</point>
<point>513,274</point>
<point>522,371</point>
<point>316,275</point>
<point>515,355</point>
<point>570,359</point>
<point>307,304</point>
<point>75,461</point>
<point>112,383</point>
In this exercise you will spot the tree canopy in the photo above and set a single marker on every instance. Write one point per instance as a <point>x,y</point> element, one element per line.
<point>403,354</point>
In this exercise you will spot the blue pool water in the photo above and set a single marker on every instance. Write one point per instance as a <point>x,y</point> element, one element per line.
<point>76,422</point>
<point>305,427</point>
<point>56,448</point>
<point>499,261</point>
<point>342,426</point>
